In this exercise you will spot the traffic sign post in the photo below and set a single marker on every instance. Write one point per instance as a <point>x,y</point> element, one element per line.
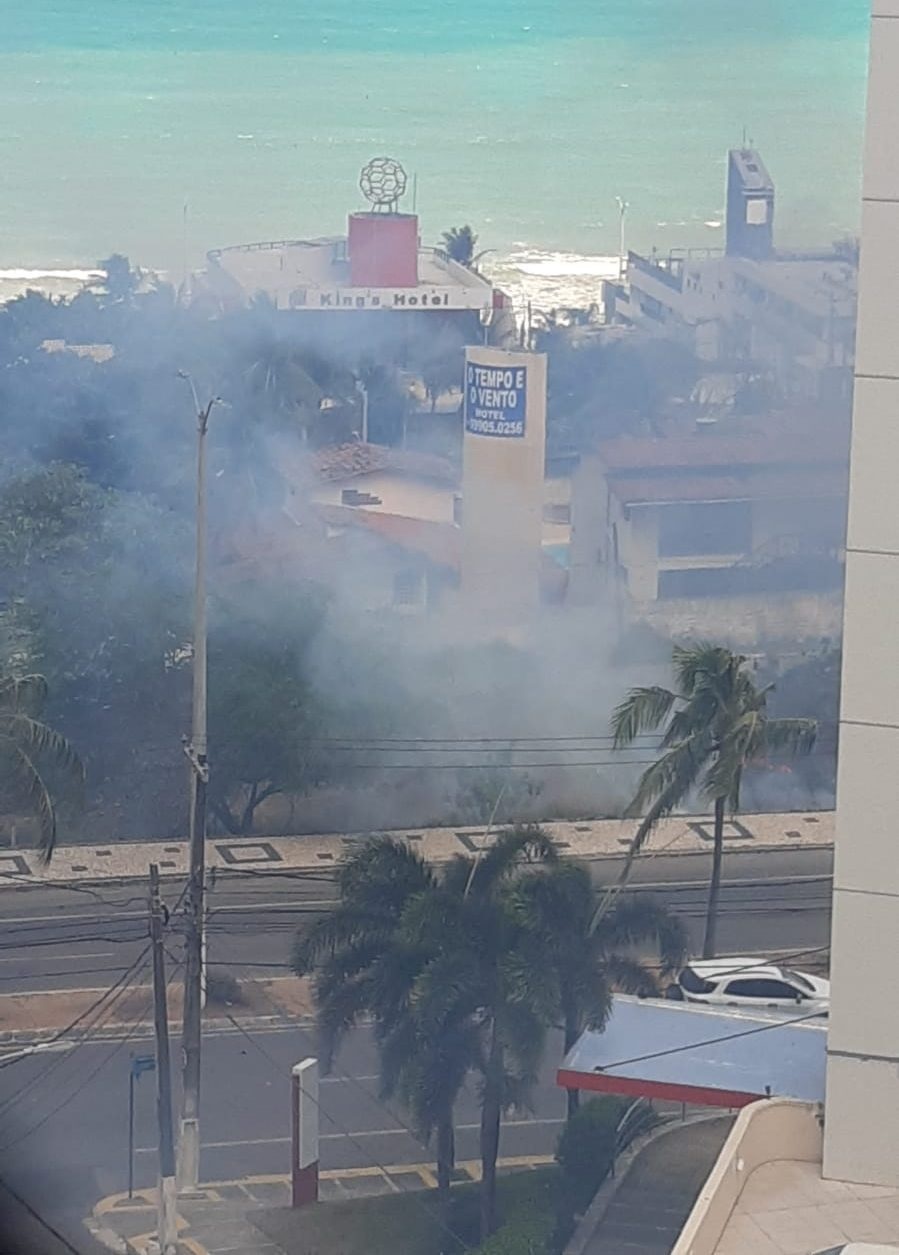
<point>139,1065</point>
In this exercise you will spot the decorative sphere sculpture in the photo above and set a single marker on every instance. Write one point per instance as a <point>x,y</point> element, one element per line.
<point>383,182</point>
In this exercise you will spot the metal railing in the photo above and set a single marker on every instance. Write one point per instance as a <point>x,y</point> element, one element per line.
<point>638,1118</point>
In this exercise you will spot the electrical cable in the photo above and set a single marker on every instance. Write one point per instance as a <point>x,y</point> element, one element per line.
<point>138,1023</point>
<point>45,1224</point>
<point>110,997</point>
<point>710,1041</point>
<point>413,1194</point>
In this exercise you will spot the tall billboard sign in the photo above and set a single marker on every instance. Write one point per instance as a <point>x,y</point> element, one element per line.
<point>496,399</point>
<point>502,480</point>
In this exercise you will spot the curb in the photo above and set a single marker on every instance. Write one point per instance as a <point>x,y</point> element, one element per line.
<point>106,1236</point>
<point>14,1037</point>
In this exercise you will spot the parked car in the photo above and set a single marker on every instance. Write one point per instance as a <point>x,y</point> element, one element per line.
<point>750,982</point>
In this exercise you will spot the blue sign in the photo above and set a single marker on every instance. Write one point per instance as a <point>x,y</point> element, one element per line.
<point>495,399</point>
<point>141,1064</point>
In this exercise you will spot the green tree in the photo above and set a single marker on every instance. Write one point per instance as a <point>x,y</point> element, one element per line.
<point>485,979</point>
<point>266,720</point>
<point>119,279</point>
<point>365,964</point>
<point>452,975</point>
<point>36,761</point>
<point>715,725</point>
<point>588,962</point>
<point>460,244</point>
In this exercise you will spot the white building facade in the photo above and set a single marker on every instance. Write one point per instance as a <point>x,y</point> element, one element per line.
<point>862,1109</point>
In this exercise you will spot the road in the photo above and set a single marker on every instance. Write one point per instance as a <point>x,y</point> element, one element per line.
<point>64,1121</point>
<point>63,1117</point>
<point>83,937</point>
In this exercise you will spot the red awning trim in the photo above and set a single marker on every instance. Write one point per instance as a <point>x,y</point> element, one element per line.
<point>605,1083</point>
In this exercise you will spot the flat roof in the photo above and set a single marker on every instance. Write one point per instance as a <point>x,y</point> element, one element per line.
<point>692,1053</point>
<point>752,170</point>
<point>281,266</point>
<point>800,483</point>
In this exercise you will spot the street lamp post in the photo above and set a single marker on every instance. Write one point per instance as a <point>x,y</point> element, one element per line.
<point>623,207</point>
<point>196,751</point>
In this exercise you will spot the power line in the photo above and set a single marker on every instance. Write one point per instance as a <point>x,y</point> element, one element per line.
<point>111,998</point>
<point>136,1024</point>
<point>710,1041</point>
<point>413,1194</point>
<point>45,1224</point>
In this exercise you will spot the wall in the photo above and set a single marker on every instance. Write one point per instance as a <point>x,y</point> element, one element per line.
<point>773,1129</point>
<point>862,1131</point>
<point>745,621</point>
<point>400,494</point>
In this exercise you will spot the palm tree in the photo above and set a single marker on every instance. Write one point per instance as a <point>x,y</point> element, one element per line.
<point>587,963</point>
<point>453,976</point>
<point>31,752</point>
<point>715,726</point>
<point>368,966</point>
<point>486,982</point>
<point>460,243</point>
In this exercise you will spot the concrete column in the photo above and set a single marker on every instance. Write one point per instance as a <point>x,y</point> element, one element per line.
<point>304,1122</point>
<point>861,1141</point>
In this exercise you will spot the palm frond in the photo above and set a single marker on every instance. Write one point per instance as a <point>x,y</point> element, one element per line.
<point>41,741</point>
<point>512,846</point>
<point>641,711</point>
<point>639,919</point>
<point>26,694</point>
<point>790,736</point>
<point>27,783</point>
<point>672,776</point>
<point>630,976</point>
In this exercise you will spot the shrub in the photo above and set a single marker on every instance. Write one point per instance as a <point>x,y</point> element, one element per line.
<point>529,1235</point>
<point>586,1149</point>
<point>222,989</point>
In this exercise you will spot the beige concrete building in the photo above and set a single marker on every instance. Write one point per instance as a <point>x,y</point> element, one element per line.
<point>862,1124</point>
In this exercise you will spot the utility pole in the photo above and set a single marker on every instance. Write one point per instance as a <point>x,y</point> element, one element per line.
<point>196,751</point>
<point>167,1223</point>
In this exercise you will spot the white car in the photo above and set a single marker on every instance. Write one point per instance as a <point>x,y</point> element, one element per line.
<point>736,982</point>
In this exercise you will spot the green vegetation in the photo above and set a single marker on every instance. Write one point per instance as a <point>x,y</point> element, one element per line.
<point>463,971</point>
<point>37,763</point>
<point>536,1209</point>
<point>715,725</point>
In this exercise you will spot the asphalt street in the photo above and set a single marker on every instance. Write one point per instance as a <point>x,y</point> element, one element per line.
<point>84,936</point>
<point>64,1116</point>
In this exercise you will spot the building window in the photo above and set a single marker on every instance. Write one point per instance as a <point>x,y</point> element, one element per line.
<point>704,527</point>
<point>408,588</point>
<point>697,582</point>
<point>557,512</point>
<point>761,988</point>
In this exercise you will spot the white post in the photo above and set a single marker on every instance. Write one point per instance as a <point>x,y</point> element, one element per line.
<point>304,1121</point>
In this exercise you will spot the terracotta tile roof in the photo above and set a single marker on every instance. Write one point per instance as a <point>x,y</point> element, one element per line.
<point>349,460</point>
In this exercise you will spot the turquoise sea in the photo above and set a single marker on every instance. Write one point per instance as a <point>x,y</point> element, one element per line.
<point>162,128</point>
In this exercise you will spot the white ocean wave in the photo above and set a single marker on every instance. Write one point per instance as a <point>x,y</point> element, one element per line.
<point>22,275</point>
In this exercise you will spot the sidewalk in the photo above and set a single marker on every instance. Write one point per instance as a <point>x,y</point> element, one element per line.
<point>221,1219</point>
<point>39,1016</point>
<point>590,839</point>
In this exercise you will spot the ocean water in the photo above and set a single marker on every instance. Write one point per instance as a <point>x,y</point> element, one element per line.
<point>162,129</point>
